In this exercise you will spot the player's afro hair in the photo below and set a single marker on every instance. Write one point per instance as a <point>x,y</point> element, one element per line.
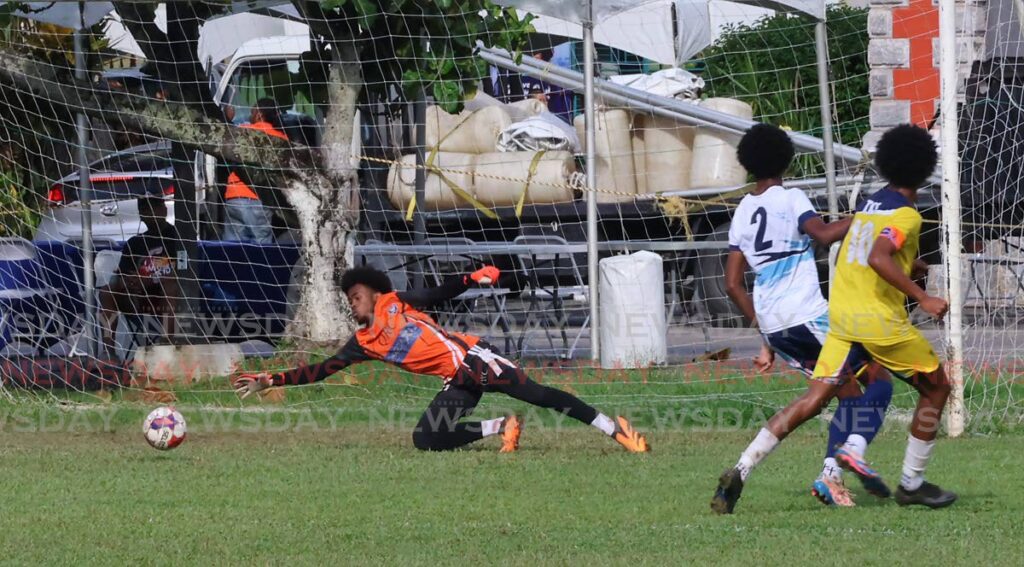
<point>906,156</point>
<point>370,277</point>
<point>765,151</point>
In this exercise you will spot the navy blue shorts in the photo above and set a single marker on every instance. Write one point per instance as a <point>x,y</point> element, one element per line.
<point>800,346</point>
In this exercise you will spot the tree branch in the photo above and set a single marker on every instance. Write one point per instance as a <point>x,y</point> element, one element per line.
<point>175,54</point>
<point>163,119</point>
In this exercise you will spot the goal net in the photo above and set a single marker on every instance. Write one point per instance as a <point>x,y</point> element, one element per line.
<point>292,141</point>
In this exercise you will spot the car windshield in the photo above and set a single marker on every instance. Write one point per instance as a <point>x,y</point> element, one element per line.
<point>283,81</point>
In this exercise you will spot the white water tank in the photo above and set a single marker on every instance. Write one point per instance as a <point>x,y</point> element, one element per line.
<point>639,153</point>
<point>471,132</point>
<point>523,109</point>
<point>667,151</point>
<point>438,194</point>
<point>502,177</point>
<point>616,176</point>
<point>714,154</point>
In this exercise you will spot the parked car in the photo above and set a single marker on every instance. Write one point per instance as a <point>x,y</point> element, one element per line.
<point>117,180</point>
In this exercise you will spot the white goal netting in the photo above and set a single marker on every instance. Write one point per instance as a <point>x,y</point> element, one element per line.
<point>292,140</point>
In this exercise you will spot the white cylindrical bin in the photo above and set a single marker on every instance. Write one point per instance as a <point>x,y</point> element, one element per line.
<point>633,323</point>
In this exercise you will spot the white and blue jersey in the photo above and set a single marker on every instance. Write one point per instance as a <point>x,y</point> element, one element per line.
<point>791,312</point>
<point>767,229</point>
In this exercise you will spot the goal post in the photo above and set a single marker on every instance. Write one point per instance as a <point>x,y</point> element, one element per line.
<point>951,79</point>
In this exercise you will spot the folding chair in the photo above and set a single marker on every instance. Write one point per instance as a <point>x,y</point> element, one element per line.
<point>546,272</point>
<point>394,265</point>
<point>465,307</point>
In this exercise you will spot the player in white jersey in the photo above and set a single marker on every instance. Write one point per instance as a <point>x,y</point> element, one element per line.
<point>771,232</point>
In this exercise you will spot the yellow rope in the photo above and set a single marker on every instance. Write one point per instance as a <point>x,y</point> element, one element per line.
<point>459,191</point>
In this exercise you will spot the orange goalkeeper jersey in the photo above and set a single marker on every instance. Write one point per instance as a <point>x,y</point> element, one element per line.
<point>412,340</point>
<point>401,335</point>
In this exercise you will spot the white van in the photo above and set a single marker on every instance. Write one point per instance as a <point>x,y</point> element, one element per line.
<point>271,67</point>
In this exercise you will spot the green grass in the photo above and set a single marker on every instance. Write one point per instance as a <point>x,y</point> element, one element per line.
<point>355,495</point>
<point>331,477</point>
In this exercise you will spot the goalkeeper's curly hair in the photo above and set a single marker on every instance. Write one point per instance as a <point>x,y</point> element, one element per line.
<point>906,156</point>
<point>765,151</point>
<point>370,277</point>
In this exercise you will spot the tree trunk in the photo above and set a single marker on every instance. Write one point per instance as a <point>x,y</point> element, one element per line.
<point>325,204</point>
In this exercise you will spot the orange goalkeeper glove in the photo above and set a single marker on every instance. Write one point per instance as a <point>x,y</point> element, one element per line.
<point>485,276</point>
<point>247,384</point>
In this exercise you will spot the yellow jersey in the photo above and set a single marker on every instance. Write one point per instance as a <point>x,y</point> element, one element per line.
<point>863,307</point>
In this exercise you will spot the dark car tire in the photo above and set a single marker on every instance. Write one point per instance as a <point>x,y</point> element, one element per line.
<point>710,278</point>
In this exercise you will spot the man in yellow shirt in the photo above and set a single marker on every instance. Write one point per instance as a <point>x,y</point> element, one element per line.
<point>868,319</point>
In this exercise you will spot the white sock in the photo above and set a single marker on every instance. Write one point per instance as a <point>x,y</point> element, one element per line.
<point>915,460</point>
<point>856,443</point>
<point>604,423</point>
<point>831,469</point>
<point>491,426</point>
<point>758,449</point>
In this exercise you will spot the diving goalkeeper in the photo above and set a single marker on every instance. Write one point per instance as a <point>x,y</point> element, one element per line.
<point>392,329</point>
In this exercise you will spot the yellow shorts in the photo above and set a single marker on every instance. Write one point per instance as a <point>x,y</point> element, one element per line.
<point>904,359</point>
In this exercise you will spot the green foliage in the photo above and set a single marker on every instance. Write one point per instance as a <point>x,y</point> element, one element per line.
<point>27,138</point>
<point>772,65</point>
<point>426,46</point>
<point>18,204</point>
<point>48,42</point>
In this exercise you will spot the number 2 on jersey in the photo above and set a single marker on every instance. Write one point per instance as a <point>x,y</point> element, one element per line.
<point>760,244</point>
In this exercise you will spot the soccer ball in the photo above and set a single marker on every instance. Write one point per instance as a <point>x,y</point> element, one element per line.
<point>164,428</point>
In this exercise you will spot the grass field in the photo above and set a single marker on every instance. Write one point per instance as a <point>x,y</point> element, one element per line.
<point>331,477</point>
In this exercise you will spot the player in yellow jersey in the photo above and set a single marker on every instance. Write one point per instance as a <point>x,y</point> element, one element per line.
<point>868,319</point>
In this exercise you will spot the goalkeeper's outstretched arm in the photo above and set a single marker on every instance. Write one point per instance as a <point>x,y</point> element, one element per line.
<point>349,354</point>
<point>452,287</point>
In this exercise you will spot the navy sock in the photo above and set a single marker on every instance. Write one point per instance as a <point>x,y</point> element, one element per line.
<point>839,428</point>
<point>862,415</point>
<point>871,406</point>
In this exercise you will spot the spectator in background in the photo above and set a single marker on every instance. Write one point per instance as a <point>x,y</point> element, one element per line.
<point>246,219</point>
<point>557,99</point>
<point>504,85</point>
<point>538,94</point>
<point>145,282</point>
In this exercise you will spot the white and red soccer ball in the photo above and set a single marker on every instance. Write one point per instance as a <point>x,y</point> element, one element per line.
<point>164,428</point>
